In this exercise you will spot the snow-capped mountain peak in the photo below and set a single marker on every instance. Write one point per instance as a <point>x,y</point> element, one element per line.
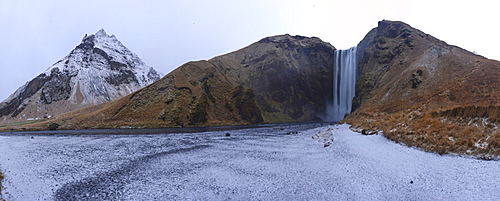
<point>97,70</point>
<point>101,32</point>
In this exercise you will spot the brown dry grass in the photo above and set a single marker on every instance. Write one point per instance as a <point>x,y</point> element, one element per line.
<point>442,135</point>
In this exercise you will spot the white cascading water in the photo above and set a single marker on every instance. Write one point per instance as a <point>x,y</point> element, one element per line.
<point>344,82</point>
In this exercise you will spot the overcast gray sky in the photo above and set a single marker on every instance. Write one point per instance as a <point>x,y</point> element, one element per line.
<point>166,34</point>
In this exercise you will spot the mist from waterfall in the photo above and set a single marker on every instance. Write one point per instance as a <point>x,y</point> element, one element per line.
<point>345,76</point>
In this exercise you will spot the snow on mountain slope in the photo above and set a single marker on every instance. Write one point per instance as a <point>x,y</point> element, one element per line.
<point>98,70</point>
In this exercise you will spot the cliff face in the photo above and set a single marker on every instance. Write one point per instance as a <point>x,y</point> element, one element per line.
<point>426,93</point>
<point>98,70</point>
<point>278,79</point>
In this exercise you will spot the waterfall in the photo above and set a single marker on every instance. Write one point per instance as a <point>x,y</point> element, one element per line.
<point>344,82</point>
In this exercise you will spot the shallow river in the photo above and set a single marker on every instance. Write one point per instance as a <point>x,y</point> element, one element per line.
<point>280,162</point>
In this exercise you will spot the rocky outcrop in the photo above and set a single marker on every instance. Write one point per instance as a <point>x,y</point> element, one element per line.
<point>278,79</point>
<point>426,93</point>
<point>98,70</point>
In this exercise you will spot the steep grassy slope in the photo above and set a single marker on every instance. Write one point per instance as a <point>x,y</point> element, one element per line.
<point>278,79</point>
<point>426,93</point>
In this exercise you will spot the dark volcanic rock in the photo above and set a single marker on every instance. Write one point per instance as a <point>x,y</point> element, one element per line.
<point>16,105</point>
<point>124,77</point>
<point>56,88</point>
<point>291,75</point>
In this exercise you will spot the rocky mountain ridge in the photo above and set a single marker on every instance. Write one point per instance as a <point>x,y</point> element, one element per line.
<point>277,79</point>
<point>98,70</point>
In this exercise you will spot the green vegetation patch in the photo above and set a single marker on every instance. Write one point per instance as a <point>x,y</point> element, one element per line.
<point>246,105</point>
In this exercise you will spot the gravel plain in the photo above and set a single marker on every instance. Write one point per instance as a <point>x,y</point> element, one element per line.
<point>276,162</point>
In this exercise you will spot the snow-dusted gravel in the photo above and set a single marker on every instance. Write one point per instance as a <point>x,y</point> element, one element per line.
<point>266,163</point>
